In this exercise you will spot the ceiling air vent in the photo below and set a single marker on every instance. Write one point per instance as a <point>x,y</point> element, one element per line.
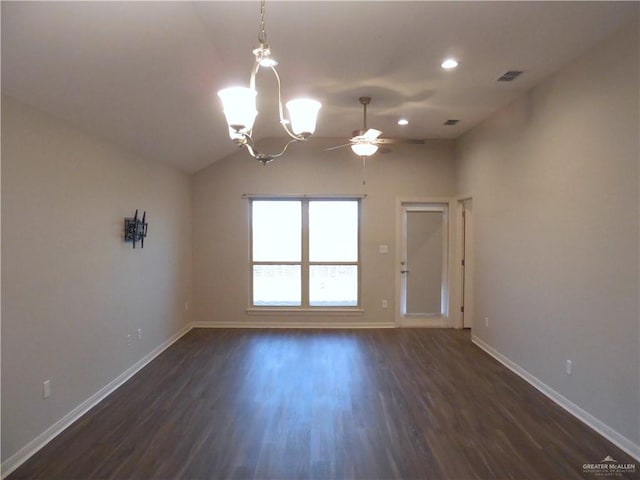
<point>451,122</point>
<point>510,76</point>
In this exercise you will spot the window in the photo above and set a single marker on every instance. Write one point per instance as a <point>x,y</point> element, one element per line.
<point>305,252</point>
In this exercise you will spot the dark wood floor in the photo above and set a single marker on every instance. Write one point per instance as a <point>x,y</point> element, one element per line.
<point>365,404</point>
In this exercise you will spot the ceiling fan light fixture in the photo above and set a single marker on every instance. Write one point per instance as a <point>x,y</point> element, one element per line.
<point>364,149</point>
<point>365,142</point>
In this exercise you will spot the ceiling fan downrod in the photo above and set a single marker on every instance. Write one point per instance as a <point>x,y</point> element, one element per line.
<point>364,101</point>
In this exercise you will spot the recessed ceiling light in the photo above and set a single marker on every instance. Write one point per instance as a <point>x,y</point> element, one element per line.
<point>403,121</point>
<point>449,63</point>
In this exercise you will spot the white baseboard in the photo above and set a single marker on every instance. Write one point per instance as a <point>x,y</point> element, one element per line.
<point>31,448</point>
<point>603,429</point>
<point>294,324</point>
<point>54,430</point>
<point>435,322</point>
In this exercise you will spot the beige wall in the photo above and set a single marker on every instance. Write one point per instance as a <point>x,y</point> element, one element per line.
<point>554,179</point>
<point>71,289</point>
<point>221,272</point>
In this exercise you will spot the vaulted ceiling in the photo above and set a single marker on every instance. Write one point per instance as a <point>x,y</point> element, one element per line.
<point>144,75</point>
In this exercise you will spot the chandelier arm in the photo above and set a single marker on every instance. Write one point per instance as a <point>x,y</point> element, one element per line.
<point>294,140</point>
<point>247,142</point>
<point>280,111</point>
<point>250,146</point>
<point>264,158</point>
<point>254,72</point>
<point>276,155</point>
<point>283,121</point>
<point>252,86</point>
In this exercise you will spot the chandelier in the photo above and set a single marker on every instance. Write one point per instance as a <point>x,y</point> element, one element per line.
<point>239,105</point>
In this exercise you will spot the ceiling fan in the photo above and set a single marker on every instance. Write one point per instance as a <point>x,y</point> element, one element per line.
<point>366,142</point>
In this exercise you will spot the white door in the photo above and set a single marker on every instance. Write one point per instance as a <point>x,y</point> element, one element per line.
<point>423,265</point>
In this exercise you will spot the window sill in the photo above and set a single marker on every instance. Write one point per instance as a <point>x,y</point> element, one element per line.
<point>325,312</point>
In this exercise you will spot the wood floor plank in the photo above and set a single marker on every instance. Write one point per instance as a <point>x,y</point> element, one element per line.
<point>324,404</point>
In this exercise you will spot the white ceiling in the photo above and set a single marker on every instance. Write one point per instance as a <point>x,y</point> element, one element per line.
<point>144,74</point>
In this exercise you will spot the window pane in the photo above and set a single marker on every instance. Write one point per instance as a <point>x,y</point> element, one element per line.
<point>276,285</point>
<point>333,285</point>
<point>277,231</point>
<point>333,231</point>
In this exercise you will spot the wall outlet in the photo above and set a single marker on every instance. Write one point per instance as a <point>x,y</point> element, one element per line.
<point>139,334</point>
<point>129,339</point>
<point>569,367</point>
<point>383,249</point>
<point>385,304</point>
<point>46,389</point>
<point>486,321</point>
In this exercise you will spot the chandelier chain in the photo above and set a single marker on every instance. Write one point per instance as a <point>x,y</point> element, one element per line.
<point>262,34</point>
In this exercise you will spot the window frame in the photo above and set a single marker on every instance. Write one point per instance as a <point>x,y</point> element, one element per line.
<point>305,307</point>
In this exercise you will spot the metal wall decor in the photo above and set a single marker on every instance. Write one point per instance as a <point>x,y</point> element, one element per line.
<point>135,230</point>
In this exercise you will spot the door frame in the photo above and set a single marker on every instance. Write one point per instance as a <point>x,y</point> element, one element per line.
<point>436,321</point>
<point>457,279</point>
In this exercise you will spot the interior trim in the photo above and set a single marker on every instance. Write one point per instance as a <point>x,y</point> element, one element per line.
<point>295,324</point>
<point>31,448</point>
<point>603,429</point>
<point>325,312</point>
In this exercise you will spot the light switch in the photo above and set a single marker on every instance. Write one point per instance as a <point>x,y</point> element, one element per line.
<point>383,249</point>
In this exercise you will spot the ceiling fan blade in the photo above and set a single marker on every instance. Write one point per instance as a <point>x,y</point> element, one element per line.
<point>371,134</point>
<point>337,147</point>
<point>410,141</point>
